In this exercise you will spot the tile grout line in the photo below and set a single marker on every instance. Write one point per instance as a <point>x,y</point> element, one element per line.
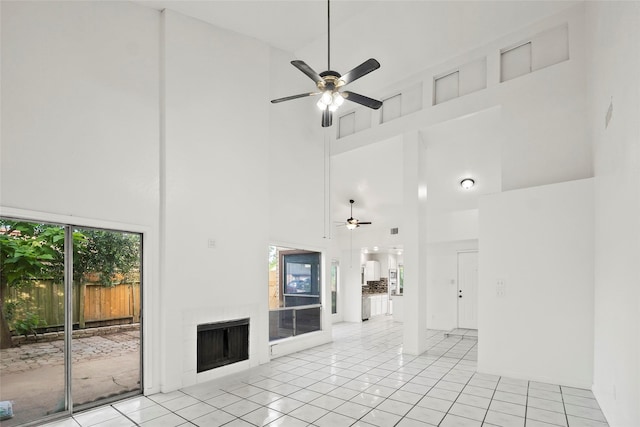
<point>465,385</point>
<point>415,375</point>
<point>526,406</point>
<point>440,379</point>
<point>123,414</point>
<point>566,416</point>
<point>378,346</point>
<point>459,340</point>
<point>491,400</point>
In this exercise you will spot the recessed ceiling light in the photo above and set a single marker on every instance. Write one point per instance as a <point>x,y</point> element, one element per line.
<point>375,248</point>
<point>467,183</point>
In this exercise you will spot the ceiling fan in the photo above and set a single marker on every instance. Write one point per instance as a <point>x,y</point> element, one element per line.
<point>353,223</point>
<point>330,83</point>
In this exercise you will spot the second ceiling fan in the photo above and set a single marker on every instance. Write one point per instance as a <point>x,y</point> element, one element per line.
<point>330,83</point>
<point>353,223</point>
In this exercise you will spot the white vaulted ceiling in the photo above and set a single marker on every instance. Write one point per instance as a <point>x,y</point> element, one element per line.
<point>406,37</point>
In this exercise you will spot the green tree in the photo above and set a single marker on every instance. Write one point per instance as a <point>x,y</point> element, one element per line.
<point>31,251</point>
<point>273,257</point>
<point>113,255</point>
<point>28,252</point>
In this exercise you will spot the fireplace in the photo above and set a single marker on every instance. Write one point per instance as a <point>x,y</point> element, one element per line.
<point>222,343</point>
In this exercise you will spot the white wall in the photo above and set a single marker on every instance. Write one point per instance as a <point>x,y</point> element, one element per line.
<point>415,244</point>
<point>372,176</point>
<point>80,125</point>
<point>453,225</point>
<point>298,184</point>
<point>216,187</point>
<point>614,67</point>
<point>539,243</point>
<point>80,110</point>
<point>529,131</point>
<point>122,117</point>
<point>541,125</point>
<point>351,285</point>
<point>296,156</point>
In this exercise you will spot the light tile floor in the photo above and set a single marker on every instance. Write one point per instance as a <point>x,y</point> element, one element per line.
<point>360,379</point>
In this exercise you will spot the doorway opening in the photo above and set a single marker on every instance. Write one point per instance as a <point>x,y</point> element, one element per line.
<point>467,295</point>
<point>70,319</point>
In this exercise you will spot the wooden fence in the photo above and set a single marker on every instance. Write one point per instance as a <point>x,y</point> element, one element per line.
<point>274,293</point>
<point>93,304</point>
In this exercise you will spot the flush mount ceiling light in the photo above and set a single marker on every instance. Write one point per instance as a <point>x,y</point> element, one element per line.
<point>467,183</point>
<point>330,82</point>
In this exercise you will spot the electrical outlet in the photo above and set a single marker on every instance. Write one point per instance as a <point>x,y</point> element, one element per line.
<point>501,289</point>
<point>211,243</point>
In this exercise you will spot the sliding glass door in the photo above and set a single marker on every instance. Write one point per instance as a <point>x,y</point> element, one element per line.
<point>71,316</point>
<point>33,294</point>
<point>106,289</point>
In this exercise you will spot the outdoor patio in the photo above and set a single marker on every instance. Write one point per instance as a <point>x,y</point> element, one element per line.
<point>104,364</point>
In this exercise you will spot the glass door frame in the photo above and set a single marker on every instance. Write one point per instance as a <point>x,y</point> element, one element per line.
<point>69,224</point>
<point>106,400</point>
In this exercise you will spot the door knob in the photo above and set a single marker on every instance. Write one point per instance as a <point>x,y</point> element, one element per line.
<point>459,296</point>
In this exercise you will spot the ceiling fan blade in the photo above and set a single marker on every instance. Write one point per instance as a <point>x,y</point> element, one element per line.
<point>364,222</point>
<point>289,98</point>
<point>361,70</point>
<point>327,118</point>
<point>362,100</point>
<point>302,66</point>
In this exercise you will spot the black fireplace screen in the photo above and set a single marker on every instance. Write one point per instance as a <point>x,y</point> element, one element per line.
<point>222,343</point>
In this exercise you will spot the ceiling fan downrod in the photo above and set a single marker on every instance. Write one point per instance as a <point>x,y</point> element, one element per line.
<point>328,35</point>
<point>329,84</point>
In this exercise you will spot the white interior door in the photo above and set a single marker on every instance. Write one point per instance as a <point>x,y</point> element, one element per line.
<point>467,290</point>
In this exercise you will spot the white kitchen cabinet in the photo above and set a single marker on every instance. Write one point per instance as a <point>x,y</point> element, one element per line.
<point>375,305</point>
<point>372,271</point>
<point>378,303</point>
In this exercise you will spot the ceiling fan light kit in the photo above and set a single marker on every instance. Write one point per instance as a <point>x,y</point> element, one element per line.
<point>353,223</point>
<point>330,83</point>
